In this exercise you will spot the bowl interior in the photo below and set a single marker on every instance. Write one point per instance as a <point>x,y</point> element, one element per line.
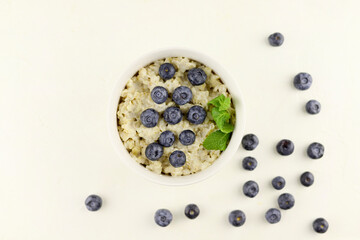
<point>223,158</point>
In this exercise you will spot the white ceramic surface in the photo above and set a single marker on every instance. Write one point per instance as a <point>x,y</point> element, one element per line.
<point>60,60</point>
<point>237,100</point>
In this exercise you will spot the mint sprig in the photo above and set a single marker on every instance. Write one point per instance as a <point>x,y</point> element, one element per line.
<point>219,139</point>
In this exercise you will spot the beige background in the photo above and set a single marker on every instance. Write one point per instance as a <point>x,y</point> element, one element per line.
<point>60,59</point>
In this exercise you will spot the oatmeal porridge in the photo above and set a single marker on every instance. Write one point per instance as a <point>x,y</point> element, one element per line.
<point>164,116</point>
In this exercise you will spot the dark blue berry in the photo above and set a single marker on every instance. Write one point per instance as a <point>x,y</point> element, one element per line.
<point>149,118</point>
<point>163,217</point>
<point>93,202</point>
<point>273,215</point>
<point>196,76</point>
<point>315,150</point>
<point>320,225</point>
<point>286,201</point>
<point>154,151</point>
<point>187,137</point>
<point>249,163</point>
<point>276,39</point>
<point>285,147</point>
<point>159,94</point>
<point>251,189</point>
<point>172,115</point>
<point>167,138</point>
<point>182,95</point>
<point>237,218</point>
<point>177,158</point>
<point>166,71</point>
<point>313,107</point>
<point>278,183</point>
<point>192,211</point>
<point>302,81</point>
<point>250,142</point>
<point>307,179</point>
<point>196,115</point>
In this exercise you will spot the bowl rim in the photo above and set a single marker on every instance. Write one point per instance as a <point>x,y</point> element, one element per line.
<point>224,157</point>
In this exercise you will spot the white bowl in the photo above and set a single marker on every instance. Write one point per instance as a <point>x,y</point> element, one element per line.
<point>224,157</point>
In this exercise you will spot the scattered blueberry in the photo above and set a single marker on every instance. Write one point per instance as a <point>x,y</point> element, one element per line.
<point>237,218</point>
<point>286,201</point>
<point>154,151</point>
<point>163,217</point>
<point>313,107</point>
<point>251,189</point>
<point>192,211</point>
<point>249,163</point>
<point>315,150</point>
<point>273,215</point>
<point>196,115</point>
<point>276,39</point>
<point>149,118</point>
<point>177,158</point>
<point>320,225</point>
<point>159,94</point>
<point>167,138</point>
<point>307,179</point>
<point>166,71</point>
<point>302,81</point>
<point>285,147</point>
<point>93,202</point>
<point>196,76</point>
<point>278,183</point>
<point>182,95</point>
<point>187,137</point>
<point>172,115</point>
<point>249,142</point>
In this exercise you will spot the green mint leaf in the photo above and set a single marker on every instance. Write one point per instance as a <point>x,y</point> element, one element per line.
<point>227,128</point>
<point>217,101</point>
<point>221,102</point>
<point>220,117</point>
<point>225,105</point>
<point>217,141</point>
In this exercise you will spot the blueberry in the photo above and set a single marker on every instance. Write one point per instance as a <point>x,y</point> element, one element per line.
<point>249,142</point>
<point>187,137</point>
<point>307,179</point>
<point>196,76</point>
<point>93,202</point>
<point>177,158</point>
<point>237,218</point>
<point>182,95</point>
<point>249,163</point>
<point>278,183</point>
<point>159,94</point>
<point>315,150</point>
<point>163,217</point>
<point>192,211</point>
<point>320,225</point>
<point>285,147</point>
<point>196,115</point>
<point>167,138</point>
<point>276,39</point>
<point>286,201</point>
<point>302,81</point>
<point>166,71</point>
<point>149,118</point>
<point>251,189</point>
<point>313,107</point>
<point>172,115</point>
<point>154,151</point>
<point>273,215</point>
